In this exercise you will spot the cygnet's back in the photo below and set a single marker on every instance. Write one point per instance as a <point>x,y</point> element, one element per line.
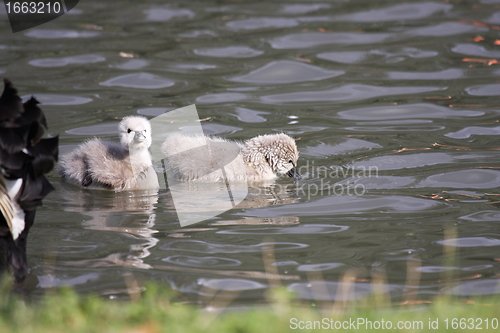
<point>104,164</point>
<point>202,158</point>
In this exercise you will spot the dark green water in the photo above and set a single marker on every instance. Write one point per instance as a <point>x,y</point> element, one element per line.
<point>395,106</point>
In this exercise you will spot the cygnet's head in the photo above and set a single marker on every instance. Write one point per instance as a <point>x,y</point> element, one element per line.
<point>279,153</point>
<point>135,132</point>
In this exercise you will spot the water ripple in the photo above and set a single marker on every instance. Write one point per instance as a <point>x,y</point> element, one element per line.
<point>415,160</point>
<point>476,178</point>
<point>347,146</point>
<point>484,90</point>
<point>217,129</point>
<point>377,55</point>
<point>303,8</point>
<point>98,129</point>
<point>470,242</point>
<point>230,284</point>
<point>467,132</point>
<point>345,204</point>
<point>286,71</point>
<point>384,182</point>
<point>261,23</point>
<point>345,93</point>
<point>222,97</point>
<point>300,229</point>
<point>475,50</point>
<point>56,34</point>
<point>435,269</point>
<point>329,291</point>
<point>50,281</point>
<point>49,99</point>
<point>311,39</point>
<point>398,12</point>
<point>249,116</point>
<point>201,261</point>
<point>131,64</point>
<point>408,125</point>
<point>153,112</point>
<point>229,52</point>
<point>446,74</point>
<point>443,30</point>
<point>138,80</point>
<point>160,14</point>
<point>319,267</point>
<point>408,111</point>
<point>484,287</point>
<point>207,247</point>
<point>484,216</point>
<point>60,62</point>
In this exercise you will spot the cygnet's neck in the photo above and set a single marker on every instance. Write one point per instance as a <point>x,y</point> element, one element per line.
<point>256,162</point>
<point>140,157</point>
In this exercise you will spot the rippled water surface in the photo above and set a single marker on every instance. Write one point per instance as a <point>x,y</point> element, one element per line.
<point>394,105</point>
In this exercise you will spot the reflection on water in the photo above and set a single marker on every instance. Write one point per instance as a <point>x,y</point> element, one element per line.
<point>106,214</point>
<point>59,62</point>
<point>286,72</point>
<point>407,92</point>
<point>138,80</point>
<point>339,291</point>
<point>345,93</point>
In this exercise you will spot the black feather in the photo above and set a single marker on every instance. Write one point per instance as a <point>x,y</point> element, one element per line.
<point>11,106</point>
<point>23,154</point>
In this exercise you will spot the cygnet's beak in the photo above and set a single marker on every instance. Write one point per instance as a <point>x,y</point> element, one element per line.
<point>293,173</point>
<point>139,136</point>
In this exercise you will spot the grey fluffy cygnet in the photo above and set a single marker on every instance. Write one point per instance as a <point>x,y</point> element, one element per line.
<point>263,157</point>
<point>124,166</point>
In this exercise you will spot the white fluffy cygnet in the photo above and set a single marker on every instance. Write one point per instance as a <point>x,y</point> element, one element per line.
<point>124,166</point>
<point>201,157</point>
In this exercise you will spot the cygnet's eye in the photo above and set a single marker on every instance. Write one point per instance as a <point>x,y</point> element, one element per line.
<point>129,130</point>
<point>290,161</point>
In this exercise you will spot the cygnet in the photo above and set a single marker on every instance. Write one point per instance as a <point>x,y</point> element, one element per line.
<point>103,164</point>
<point>211,159</point>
